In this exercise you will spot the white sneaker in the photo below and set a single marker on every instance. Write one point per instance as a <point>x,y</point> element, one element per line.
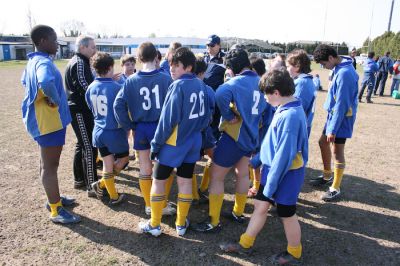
<point>331,194</point>
<point>145,227</point>
<point>168,210</point>
<point>181,230</point>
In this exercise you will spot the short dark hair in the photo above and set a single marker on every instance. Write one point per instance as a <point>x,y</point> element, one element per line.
<point>323,51</point>
<point>128,58</point>
<point>147,52</point>
<point>159,56</point>
<point>299,58</point>
<point>258,65</point>
<point>201,66</point>
<point>237,60</point>
<point>186,57</point>
<point>371,54</point>
<point>387,53</point>
<point>40,32</point>
<point>277,79</point>
<point>101,62</point>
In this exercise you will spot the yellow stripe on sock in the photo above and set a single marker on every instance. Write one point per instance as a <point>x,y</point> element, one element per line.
<point>145,188</point>
<point>240,203</point>
<point>216,201</point>
<point>246,241</point>
<point>184,202</point>
<point>195,192</point>
<point>295,251</point>
<point>54,208</point>
<point>157,205</point>
<point>338,175</point>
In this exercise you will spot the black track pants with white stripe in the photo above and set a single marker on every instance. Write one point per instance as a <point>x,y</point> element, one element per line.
<point>85,153</point>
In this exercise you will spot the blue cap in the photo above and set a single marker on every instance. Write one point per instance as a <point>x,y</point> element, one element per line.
<point>213,39</point>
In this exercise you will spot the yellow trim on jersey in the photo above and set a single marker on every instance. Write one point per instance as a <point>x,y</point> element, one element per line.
<point>233,130</point>
<point>172,139</point>
<point>350,112</point>
<point>48,118</point>
<point>130,116</point>
<point>297,162</point>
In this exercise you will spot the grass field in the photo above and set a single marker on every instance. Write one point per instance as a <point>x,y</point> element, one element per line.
<point>361,229</point>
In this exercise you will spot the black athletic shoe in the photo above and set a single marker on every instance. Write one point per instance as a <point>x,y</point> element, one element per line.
<point>233,217</point>
<point>320,180</point>
<point>206,227</point>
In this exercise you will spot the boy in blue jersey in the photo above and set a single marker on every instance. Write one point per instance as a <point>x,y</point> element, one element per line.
<point>128,63</point>
<point>299,66</point>
<point>317,82</point>
<point>341,105</point>
<point>138,107</point>
<point>177,141</point>
<point>164,65</point>
<point>239,101</point>
<point>46,116</point>
<point>108,136</point>
<point>208,140</point>
<point>370,69</point>
<point>284,155</point>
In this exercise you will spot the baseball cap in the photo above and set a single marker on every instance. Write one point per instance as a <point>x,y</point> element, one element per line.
<point>213,40</point>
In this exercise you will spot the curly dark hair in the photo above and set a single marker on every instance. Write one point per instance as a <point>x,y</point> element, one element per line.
<point>40,32</point>
<point>258,65</point>
<point>237,59</point>
<point>322,53</point>
<point>201,66</point>
<point>102,62</point>
<point>277,79</point>
<point>299,58</point>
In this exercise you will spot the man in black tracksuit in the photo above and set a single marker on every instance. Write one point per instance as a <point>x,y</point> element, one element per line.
<point>78,76</point>
<point>214,75</point>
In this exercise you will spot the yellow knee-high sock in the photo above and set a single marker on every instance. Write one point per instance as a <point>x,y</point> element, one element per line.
<point>184,202</point>
<point>215,207</point>
<point>195,192</point>
<point>240,203</point>
<point>54,208</point>
<point>251,173</point>
<point>102,185</point>
<point>136,156</point>
<point>157,205</point>
<point>205,180</point>
<point>145,187</point>
<point>256,183</point>
<point>110,185</point>
<point>246,241</point>
<point>338,175</point>
<point>295,251</point>
<point>168,185</point>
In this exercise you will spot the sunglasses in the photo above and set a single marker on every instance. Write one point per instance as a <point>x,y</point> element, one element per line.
<point>211,45</point>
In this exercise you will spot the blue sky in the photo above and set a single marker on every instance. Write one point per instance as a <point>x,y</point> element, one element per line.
<point>284,20</point>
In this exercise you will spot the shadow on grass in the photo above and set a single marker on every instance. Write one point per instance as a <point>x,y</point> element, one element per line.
<point>164,250</point>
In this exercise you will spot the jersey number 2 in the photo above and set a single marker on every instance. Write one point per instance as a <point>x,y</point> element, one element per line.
<point>193,99</point>
<point>256,99</point>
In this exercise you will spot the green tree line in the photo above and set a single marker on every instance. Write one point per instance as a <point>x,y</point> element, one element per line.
<point>388,41</point>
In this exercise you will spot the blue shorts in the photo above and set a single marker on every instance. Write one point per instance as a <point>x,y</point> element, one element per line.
<point>227,153</point>
<point>187,152</point>
<point>115,140</point>
<point>53,139</point>
<point>144,133</point>
<point>289,187</point>
<point>208,139</point>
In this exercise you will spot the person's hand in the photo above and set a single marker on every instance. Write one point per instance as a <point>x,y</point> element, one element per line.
<point>330,138</point>
<point>50,102</point>
<point>233,121</point>
<point>117,76</point>
<point>153,156</point>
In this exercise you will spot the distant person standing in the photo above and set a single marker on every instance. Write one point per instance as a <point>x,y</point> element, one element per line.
<point>396,77</point>
<point>353,54</point>
<point>164,65</point>
<point>370,69</point>
<point>385,65</point>
<point>78,76</point>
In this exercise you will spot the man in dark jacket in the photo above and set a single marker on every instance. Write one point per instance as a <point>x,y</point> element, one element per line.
<point>214,75</point>
<point>78,76</point>
<point>385,65</point>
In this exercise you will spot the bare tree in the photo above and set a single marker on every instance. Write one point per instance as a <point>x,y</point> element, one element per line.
<point>72,28</point>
